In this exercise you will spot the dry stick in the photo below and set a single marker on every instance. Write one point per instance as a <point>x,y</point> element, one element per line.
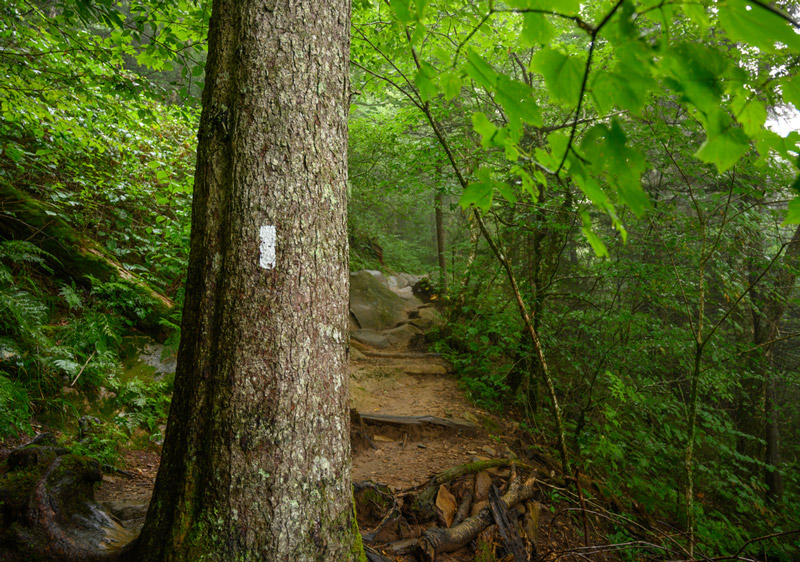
<point>82,368</point>
<point>436,540</point>
<point>583,508</point>
<point>506,525</point>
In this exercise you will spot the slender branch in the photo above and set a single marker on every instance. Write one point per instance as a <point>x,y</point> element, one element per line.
<point>744,293</point>
<point>587,69</point>
<point>772,9</point>
<point>388,81</point>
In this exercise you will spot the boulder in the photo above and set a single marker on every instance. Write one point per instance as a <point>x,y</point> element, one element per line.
<point>372,304</point>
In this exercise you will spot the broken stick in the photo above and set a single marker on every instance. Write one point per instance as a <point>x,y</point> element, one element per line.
<point>506,525</point>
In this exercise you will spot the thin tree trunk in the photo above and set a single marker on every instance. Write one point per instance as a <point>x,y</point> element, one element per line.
<point>440,240</point>
<point>256,457</point>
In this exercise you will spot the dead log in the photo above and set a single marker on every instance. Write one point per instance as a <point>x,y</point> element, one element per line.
<point>49,512</point>
<point>436,540</point>
<point>375,556</point>
<point>75,255</point>
<point>386,355</point>
<point>506,525</point>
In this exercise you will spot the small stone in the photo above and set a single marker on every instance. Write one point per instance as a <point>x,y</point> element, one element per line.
<point>472,452</point>
<point>489,450</point>
<point>422,446</point>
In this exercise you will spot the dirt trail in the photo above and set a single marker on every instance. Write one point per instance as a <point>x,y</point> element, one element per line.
<point>412,386</point>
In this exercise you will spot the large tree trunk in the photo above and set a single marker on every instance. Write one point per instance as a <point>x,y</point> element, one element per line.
<point>256,457</point>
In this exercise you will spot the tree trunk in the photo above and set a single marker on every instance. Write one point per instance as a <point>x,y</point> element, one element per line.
<point>440,240</point>
<point>256,461</point>
<point>769,305</point>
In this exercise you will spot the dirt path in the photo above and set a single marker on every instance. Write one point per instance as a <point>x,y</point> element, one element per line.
<point>412,386</point>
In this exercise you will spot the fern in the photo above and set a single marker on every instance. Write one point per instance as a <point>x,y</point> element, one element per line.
<point>21,252</point>
<point>14,407</point>
<point>71,297</point>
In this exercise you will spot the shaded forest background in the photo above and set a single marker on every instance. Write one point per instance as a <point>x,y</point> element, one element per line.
<point>659,274</point>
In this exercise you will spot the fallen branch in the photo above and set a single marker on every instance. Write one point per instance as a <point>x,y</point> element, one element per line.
<point>436,540</point>
<point>418,421</point>
<point>382,355</point>
<point>507,526</point>
<point>82,368</point>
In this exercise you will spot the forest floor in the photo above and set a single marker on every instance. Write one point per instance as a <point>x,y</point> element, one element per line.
<point>411,421</point>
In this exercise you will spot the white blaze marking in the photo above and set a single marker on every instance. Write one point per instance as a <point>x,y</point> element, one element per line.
<point>266,259</point>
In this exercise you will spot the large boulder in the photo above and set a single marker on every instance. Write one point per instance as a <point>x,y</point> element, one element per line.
<point>373,306</point>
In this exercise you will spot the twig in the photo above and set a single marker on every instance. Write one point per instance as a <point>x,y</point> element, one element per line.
<point>82,368</point>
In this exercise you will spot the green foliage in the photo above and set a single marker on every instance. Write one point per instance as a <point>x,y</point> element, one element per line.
<point>14,406</point>
<point>143,405</point>
<point>618,155</point>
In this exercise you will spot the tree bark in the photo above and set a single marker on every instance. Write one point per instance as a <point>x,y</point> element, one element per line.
<point>256,459</point>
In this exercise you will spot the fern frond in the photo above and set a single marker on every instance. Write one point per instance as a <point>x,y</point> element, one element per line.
<point>24,252</point>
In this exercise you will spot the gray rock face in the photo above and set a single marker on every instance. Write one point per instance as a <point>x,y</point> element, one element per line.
<point>151,355</point>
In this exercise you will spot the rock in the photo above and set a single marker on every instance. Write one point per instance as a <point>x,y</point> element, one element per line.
<point>356,355</point>
<point>378,276</point>
<point>489,450</point>
<point>371,338</point>
<point>125,511</point>
<point>482,483</point>
<point>406,337</point>
<point>152,355</point>
<point>372,304</point>
<point>424,318</point>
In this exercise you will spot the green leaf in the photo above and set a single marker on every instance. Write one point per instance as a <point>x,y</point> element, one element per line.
<point>485,128</point>
<point>401,10</point>
<point>697,13</point>
<point>450,83</point>
<point>589,186</point>
<point>563,74</point>
<point>480,71</point>
<point>507,192</point>
<point>725,143</point>
<point>791,90</point>
<point>750,113</point>
<point>479,193</point>
<point>626,91</point>
<point>594,240</point>
<point>750,23</point>
<point>793,213</point>
<point>424,81</point>
<point>697,72</point>
<point>518,101</point>
<point>536,29</point>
